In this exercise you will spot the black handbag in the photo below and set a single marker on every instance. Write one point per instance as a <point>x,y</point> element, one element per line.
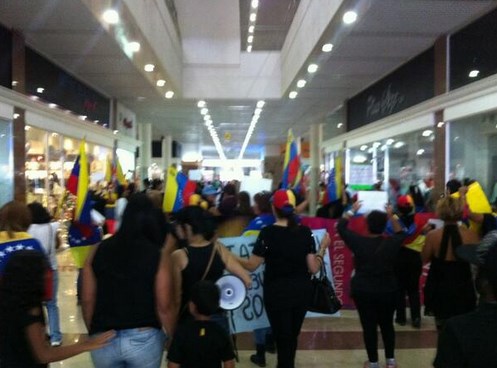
<point>324,299</point>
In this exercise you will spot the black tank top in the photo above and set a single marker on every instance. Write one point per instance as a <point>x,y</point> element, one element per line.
<point>198,259</point>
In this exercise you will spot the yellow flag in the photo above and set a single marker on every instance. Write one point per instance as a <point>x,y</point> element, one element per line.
<point>171,191</point>
<point>108,171</point>
<point>119,174</point>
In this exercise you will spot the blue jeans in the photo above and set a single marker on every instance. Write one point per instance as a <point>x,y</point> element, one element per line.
<point>53,311</point>
<point>260,335</point>
<point>133,348</point>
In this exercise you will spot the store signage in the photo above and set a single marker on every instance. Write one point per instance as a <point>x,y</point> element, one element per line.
<point>126,121</point>
<point>407,86</point>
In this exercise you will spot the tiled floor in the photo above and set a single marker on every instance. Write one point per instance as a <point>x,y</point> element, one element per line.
<point>325,342</point>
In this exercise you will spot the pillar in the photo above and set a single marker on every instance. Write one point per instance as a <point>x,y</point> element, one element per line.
<point>145,135</point>
<point>19,123</point>
<point>315,143</point>
<point>167,148</point>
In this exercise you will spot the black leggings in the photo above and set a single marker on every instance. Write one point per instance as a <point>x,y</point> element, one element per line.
<point>286,324</point>
<point>408,270</point>
<point>376,309</point>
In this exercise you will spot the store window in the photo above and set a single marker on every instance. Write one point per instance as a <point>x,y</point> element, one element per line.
<point>397,164</point>
<point>473,151</point>
<point>6,163</point>
<point>98,157</point>
<point>36,165</point>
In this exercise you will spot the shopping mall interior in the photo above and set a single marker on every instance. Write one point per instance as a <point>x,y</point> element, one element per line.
<point>401,92</point>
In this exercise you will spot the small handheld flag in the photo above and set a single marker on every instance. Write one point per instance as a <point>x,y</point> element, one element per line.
<point>292,172</point>
<point>178,190</point>
<point>77,185</point>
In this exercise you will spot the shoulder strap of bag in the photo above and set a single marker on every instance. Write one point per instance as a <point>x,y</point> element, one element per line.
<point>211,259</point>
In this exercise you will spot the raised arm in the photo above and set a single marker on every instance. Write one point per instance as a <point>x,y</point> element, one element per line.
<point>315,261</point>
<point>233,264</point>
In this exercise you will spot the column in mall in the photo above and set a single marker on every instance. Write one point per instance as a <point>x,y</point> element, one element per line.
<point>316,136</point>
<point>441,87</point>
<point>167,146</point>
<point>19,75</point>
<point>145,135</point>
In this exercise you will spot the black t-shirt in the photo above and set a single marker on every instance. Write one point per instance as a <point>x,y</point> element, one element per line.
<point>15,351</point>
<point>469,340</point>
<point>200,344</point>
<point>285,252</point>
<point>125,285</point>
<point>374,259</point>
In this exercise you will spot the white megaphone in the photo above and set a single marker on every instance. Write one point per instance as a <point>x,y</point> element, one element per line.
<point>233,292</point>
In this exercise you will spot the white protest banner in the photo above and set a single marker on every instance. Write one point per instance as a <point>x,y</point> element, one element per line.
<point>252,314</point>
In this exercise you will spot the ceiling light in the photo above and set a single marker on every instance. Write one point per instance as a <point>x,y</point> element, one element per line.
<point>427,133</point>
<point>149,67</point>
<point>350,17</point>
<point>82,117</point>
<point>474,73</point>
<point>364,147</point>
<point>34,97</point>
<point>208,123</point>
<point>97,121</point>
<point>251,29</point>
<point>110,16</point>
<point>116,131</point>
<point>327,47</point>
<point>255,4</point>
<point>161,83</point>
<point>14,83</point>
<point>40,90</point>
<point>376,144</point>
<point>257,111</point>
<point>27,127</point>
<point>249,48</point>
<point>204,111</point>
<point>201,103</point>
<point>312,68</point>
<point>134,46</point>
<point>207,117</point>
<point>420,152</point>
<point>399,144</point>
<point>390,141</point>
<point>292,95</point>
<point>339,125</point>
<point>52,105</point>
<point>359,159</point>
<point>16,115</point>
<point>260,104</point>
<point>440,124</point>
<point>301,83</point>
<point>384,147</point>
<point>169,94</point>
<point>253,17</point>
<point>250,39</point>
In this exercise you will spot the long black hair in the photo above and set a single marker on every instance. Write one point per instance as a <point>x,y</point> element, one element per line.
<point>201,221</point>
<point>39,214</point>
<point>22,284</point>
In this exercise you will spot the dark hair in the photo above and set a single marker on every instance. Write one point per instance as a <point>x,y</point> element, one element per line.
<point>14,217</point>
<point>263,201</point>
<point>229,189</point>
<point>376,221</point>
<point>244,207</point>
<point>205,295</point>
<point>131,189</point>
<point>140,221</point>
<point>488,224</point>
<point>39,214</point>
<point>201,221</point>
<point>119,190</point>
<point>453,185</point>
<point>23,284</point>
<point>289,216</point>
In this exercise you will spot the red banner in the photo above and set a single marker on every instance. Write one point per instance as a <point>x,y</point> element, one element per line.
<point>341,258</point>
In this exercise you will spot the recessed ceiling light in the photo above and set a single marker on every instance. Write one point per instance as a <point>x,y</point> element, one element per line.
<point>34,97</point>
<point>204,111</point>
<point>427,133</point>
<point>14,83</point>
<point>420,152</point>
<point>253,17</point>
<point>260,104</point>
<point>249,48</point>
<point>82,117</point>
<point>301,83</point>
<point>312,68</point>
<point>349,17</point>
<point>207,117</point>
<point>97,121</point>
<point>27,127</point>
<point>134,46</point>
<point>111,16</point>
<point>161,83</point>
<point>390,141</point>
<point>251,29</point>
<point>364,147</point>
<point>250,39</point>
<point>257,111</point>
<point>169,94</point>
<point>339,125</point>
<point>15,116</point>
<point>474,73</point>
<point>201,104</point>
<point>327,47</point>
<point>376,144</point>
<point>440,124</point>
<point>399,144</point>
<point>292,95</point>
<point>116,131</point>
<point>255,4</point>
<point>52,105</point>
<point>40,90</point>
<point>149,67</point>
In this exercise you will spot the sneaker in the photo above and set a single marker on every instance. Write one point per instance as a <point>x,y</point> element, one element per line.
<point>391,363</point>
<point>56,344</point>
<point>368,364</point>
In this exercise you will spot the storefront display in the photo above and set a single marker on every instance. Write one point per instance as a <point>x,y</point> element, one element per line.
<point>6,162</point>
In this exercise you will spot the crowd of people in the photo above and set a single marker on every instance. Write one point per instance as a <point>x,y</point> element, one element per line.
<point>151,284</point>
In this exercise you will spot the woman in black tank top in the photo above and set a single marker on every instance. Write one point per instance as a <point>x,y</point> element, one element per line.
<point>193,262</point>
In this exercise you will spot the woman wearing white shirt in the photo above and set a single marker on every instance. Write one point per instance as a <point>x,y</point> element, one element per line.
<point>46,232</point>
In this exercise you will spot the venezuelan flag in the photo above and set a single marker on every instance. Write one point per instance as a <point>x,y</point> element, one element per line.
<point>114,173</point>
<point>108,171</point>
<point>121,180</point>
<point>178,190</point>
<point>81,239</point>
<point>334,188</point>
<point>292,173</point>
<point>77,185</point>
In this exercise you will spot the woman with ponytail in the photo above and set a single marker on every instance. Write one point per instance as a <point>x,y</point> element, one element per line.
<point>288,251</point>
